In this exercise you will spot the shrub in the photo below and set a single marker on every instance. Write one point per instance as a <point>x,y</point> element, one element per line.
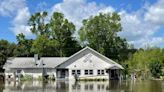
<point>155,69</point>
<point>26,77</point>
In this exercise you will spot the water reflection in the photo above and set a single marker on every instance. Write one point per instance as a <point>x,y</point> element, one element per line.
<point>72,86</point>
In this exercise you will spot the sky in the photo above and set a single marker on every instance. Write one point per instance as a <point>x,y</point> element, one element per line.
<point>142,20</point>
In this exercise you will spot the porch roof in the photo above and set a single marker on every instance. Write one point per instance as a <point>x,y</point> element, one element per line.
<point>115,67</point>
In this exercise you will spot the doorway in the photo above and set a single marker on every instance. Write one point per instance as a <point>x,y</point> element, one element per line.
<point>62,73</point>
<point>114,74</point>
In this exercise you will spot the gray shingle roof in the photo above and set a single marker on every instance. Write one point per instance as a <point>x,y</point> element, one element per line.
<point>26,62</point>
<point>53,62</point>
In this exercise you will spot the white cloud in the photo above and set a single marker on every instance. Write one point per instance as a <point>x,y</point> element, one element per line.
<point>155,13</point>
<point>141,26</point>
<point>138,31</point>
<point>18,10</point>
<point>148,42</point>
<point>77,10</point>
<point>20,22</point>
<point>17,29</point>
<point>22,16</point>
<point>8,7</point>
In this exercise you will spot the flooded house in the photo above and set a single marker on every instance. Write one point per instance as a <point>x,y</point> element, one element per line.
<point>85,64</point>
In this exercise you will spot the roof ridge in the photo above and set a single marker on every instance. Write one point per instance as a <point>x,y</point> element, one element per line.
<point>87,47</point>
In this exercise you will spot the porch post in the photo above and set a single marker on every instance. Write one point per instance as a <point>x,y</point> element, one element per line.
<point>66,73</point>
<point>69,73</point>
<point>109,73</point>
<point>54,73</point>
<point>58,73</point>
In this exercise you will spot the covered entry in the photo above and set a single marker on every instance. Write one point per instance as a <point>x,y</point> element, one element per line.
<point>115,72</point>
<point>62,73</point>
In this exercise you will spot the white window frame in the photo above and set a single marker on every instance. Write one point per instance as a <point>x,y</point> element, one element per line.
<point>78,72</point>
<point>100,72</point>
<point>90,72</point>
<point>73,72</point>
<point>86,72</point>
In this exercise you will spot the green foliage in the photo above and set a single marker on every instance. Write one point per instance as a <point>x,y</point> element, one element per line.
<point>155,69</point>
<point>23,47</point>
<point>144,59</point>
<point>6,50</point>
<point>26,78</point>
<point>62,32</point>
<point>40,78</point>
<point>44,46</point>
<point>38,24</point>
<point>55,37</point>
<point>100,32</point>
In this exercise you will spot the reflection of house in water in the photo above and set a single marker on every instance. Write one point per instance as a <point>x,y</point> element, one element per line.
<point>85,64</point>
<point>58,86</point>
<point>72,86</point>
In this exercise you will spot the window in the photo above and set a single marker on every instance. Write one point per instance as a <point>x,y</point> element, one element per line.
<point>73,72</point>
<point>78,72</point>
<point>18,71</point>
<point>91,72</point>
<point>86,72</point>
<point>106,71</point>
<point>102,72</point>
<point>98,72</point>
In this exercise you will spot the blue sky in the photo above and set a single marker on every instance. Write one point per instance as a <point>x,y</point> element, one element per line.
<point>142,20</point>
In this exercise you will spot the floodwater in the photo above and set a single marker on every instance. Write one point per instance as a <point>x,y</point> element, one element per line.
<point>71,86</point>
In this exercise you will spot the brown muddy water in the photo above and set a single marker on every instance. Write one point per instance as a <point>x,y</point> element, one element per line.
<point>71,86</point>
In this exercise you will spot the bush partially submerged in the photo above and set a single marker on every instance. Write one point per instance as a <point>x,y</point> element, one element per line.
<point>26,77</point>
<point>155,69</point>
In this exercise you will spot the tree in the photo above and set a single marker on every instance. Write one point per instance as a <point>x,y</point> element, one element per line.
<point>54,35</point>
<point>38,24</point>
<point>6,50</point>
<point>155,69</point>
<point>61,30</point>
<point>23,47</point>
<point>44,46</point>
<point>100,32</point>
<point>145,61</point>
